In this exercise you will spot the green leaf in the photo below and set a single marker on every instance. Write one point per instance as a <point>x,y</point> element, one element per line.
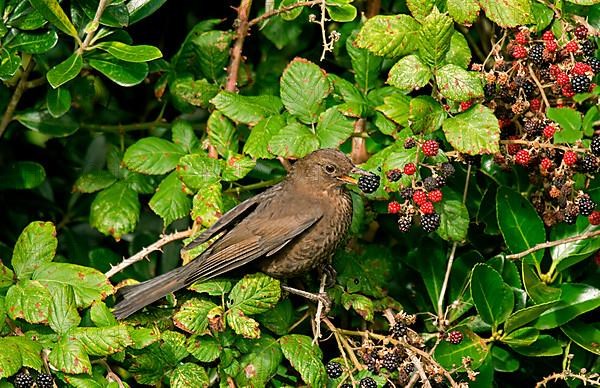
<point>184,135</point>
<point>503,361</point>
<point>125,52</point>
<point>194,92</point>
<point>63,310</point>
<point>28,300</point>
<point>304,87</point>
<point>212,51</point>
<point>33,43</point>
<point>93,181</point>
<point>389,36</point>
<point>585,335</point>
<point>396,108</point>
<point>18,351</point>
<point>115,210</point>
<point>463,12</point>
<point>42,121</point>
<point>198,171</point>
<point>65,71</point>
<point>409,73</point>
<point>204,348</point>
<point>354,103</point>
<point>213,287</point>
<point>434,37</point>
<point>6,279</point>
<point>257,144</point>
<point>58,101</point>
<point>473,132</point>
<point>254,294</point>
<point>570,124</point>
<point>537,290</point>
<point>192,316</point>
<point>494,299</point>
<point>139,10</point>
<point>425,114</point>
<point>544,346</point>
<point>221,133</point>
<point>293,140</point>
<point>341,10</point>
<point>153,155</point>
<point>236,166</point>
<point>359,303</point>
<point>366,66</point>
<point>520,224</point>
<point>170,201</point>
<point>102,341</point>
<point>52,11</point>
<point>291,14</point>
<point>454,221</point>
<point>207,205</point>
<point>431,270</point>
<point>9,64</point>
<point>189,375</point>
<point>568,254</point>
<point>241,324</point>
<point>88,283</point>
<point>101,315</point>
<point>333,128</point>
<point>420,8</point>
<point>305,357</point>
<point>120,72</point>
<point>458,84</point>
<point>510,13</point>
<point>259,363</point>
<point>526,315</point>
<point>35,246</point>
<point>450,356</point>
<point>68,356</point>
<point>459,52</point>
<point>22,175</point>
<point>575,300</point>
<point>542,16</point>
<point>279,319</point>
<point>522,337</point>
<point>246,109</point>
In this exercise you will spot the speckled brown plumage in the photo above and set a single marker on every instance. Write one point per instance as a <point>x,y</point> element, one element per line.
<point>286,231</point>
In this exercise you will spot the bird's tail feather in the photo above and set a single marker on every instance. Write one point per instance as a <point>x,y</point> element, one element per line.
<point>140,295</point>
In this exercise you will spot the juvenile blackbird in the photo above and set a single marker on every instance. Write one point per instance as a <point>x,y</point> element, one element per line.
<point>285,231</point>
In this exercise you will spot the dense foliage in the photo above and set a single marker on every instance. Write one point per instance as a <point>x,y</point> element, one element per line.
<point>131,126</point>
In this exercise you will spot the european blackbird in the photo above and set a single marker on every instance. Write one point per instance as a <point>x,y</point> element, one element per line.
<point>288,230</point>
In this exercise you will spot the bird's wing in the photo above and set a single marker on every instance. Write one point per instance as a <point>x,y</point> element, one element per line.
<point>229,219</point>
<point>250,241</point>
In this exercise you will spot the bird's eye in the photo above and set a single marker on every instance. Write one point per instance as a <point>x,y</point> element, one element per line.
<point>330,169</point>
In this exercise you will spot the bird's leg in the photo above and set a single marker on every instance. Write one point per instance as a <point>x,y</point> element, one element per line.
<point>331,274</point>
<point>321,297</point>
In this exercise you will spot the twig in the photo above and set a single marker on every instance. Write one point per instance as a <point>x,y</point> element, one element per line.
<point>539,85</point>
<point>359,145</point>
<point>95,23</point>
<point>253,186</point>
<point>110,375</point>
<point>280,10</point>
<point>538,144</point>
<point>551,244</point>
<point>592,379</point>
<point>319,310</point>
<point>373,7</point>
<point>417,363</point>
<point>120,128</point>
<point>16,97</point>
<point>236,51</point>
<point>345,344</point>
<point>164,240</point>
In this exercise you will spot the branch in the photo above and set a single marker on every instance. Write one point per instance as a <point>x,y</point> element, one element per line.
<point>119,128</point>
<point>16,97</point>
<point>539,85</point>
<point>280,10</point>
<point>359,145</point>
<point>537,144</point>
<point>164,240</point>
<point>93,26</point>
<point>551,244</point>
<point>236,51</point>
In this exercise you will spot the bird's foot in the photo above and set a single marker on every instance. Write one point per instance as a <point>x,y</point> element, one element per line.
<point>331,275</point>
<point>320,297</point>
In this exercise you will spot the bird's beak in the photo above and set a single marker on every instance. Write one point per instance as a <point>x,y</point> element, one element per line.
<point>350,179</point>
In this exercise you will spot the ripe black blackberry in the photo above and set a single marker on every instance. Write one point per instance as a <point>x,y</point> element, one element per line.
<point>528,88</point>
<point>447,169</point>
<point>580,83</point>
<point>346,385</point>
<point>44,380</point>
<point>368,183</point>
<point>394,175</point>
<point>409,143</point>
<point>532,127</point>
<point>399,330</point>
<point>440,181</point>
<point>430,222</point>
<point>23,380</point>
<point>429,183</point>
<point>570,219</point>
<point>409,368</point>
<point>594,64</point>
<point>536,54</point>
<point>589,164</point>
<point>404,223</point>
<point>586,205</point>
<point>407,193</point>
<point>368,382</point>
<point>489,91</point>
<point>334,369</point>
<point>595,145</point>
<point>588,47</point>
<point>390,361</point>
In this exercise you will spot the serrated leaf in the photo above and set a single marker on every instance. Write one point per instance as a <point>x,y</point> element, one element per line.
<point>258,141</point>
<point>434,38</point>
<point>192,316</point>
<point>236,166</point>
<point>198,171</point>
<point>459,53</point>
<point>93,181</point>
<point>63,310</point>
<point>35,246</point>
<point>52,11</point>
<point>101,315</point>
<point>493,299</point>
<point>333,128</point>
<point>194,92</point>
<point>22,175</point>
<point>221,133</point>
<point>28,300</point>
<point>279,319</point>
<point>304,87</point>
<point>359,303</point>
<point>366,66</point>
<point>68,356</point>
<point>585,335</point>
<point>128,53</point>
<point>189,375</point>
<point>102,341</point>
<point>458,84</point>
<point>254,294</point>
<point>509,13</point>
<point>454,221</point>
<point>526,315</point>
<point>184,135</point>
<point>568,254</point>
<point>212,51</point>
<point>153,155</point>
<point>120,72</point>
<point>426,115</point>
<point>204,348</point>
<point>305,357</point>
<point>569,121</point>
<point>115,210</point>
<point>522,337</point>
<point>259,363</point>
<point>473,132</point>
<point>170,201</point>
<point>463,12</point>
<point>389,36</point>
<point>65,71</point>
<point>409,73</point>
<point>207,205</point>
<point>241,324</point>
<point>293,140</point>
<point>420,8</point>
<point>7,277</point>
<point>396,108</point>
<point>291,14</point>
<point>18,351</point>
<point>246,109</point>
<point>213,287</point>
<point>544,346</point>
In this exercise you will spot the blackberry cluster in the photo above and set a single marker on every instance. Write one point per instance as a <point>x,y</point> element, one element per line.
<point>368,183</point>
<point>454,337</point>
<point>334,369</point>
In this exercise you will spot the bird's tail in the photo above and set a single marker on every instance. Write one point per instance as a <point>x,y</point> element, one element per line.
<point>141,295</point>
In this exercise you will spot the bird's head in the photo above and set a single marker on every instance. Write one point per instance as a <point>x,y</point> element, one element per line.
<point>326,168</point>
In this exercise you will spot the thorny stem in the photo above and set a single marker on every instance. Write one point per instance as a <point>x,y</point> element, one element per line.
<point>339,337</point>
<point>551,244</point>
<point>319,311</point>
<point>539,85</point>
<point>280,10</point>
<point>236,52</point>
<point>537,144</point>
<point>156,246</point>
<point>16,97</point>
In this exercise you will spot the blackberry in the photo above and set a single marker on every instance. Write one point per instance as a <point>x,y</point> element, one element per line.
<point>430,222</point>
<point>586,205</point>
<point>368,183</point>
<point>346,385</point>
<point>588,47</point>
<point>440,181</point>
<point>429,183</point>
<point>447,169</point>
<point>455,337</point>
<point>409,368</point>
<point>489,91</point>
<point>570,219</point>
<point>528,88</point>
<point>367,382</point>
<point>594,64</point>
<point>580,83</point>
<point>399,330</point>
<point>394,175</point>
<point>507,95</point>
<point>23,380</point>
<point>408,192</point>
<point>536,54</point>
<point>595,145</point>
<point>589,164</point>
<point>44,380</point>
<point>334,369</point>
<point>390,361</point>
<point>404,223</point>
<point>471,159</point>
<point>409,143</point>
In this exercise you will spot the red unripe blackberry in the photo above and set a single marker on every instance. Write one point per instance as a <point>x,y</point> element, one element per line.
<point>334,369</point>
<point>595,145</point>
<point>548,35</point>
<point>521,38</point>
<point>549,131</point>
<point>465,105</point>
<point>546,164</point>
<point>562,79</point>
<point>435,195</point>
<point>570,158</point>
<point>594,218</point>
<point>551,45</point>
<point>404,223</point>
<point>567,90</point>
<point>430,222</point>
<point>581,68</point>
<point>554,70</point>
<point>513,148</point>
<point>427,208</point>
<point>410,168</point>
<point>581,32</point>
<point>419,197</point>
<point>519,52</point>
<point>455,337</point>
<point>409,143</point>
<point>522,157</point>
<point>535,104</point>
<point>394,207</point>
<point>430,147</point>
<point>572,47</point>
